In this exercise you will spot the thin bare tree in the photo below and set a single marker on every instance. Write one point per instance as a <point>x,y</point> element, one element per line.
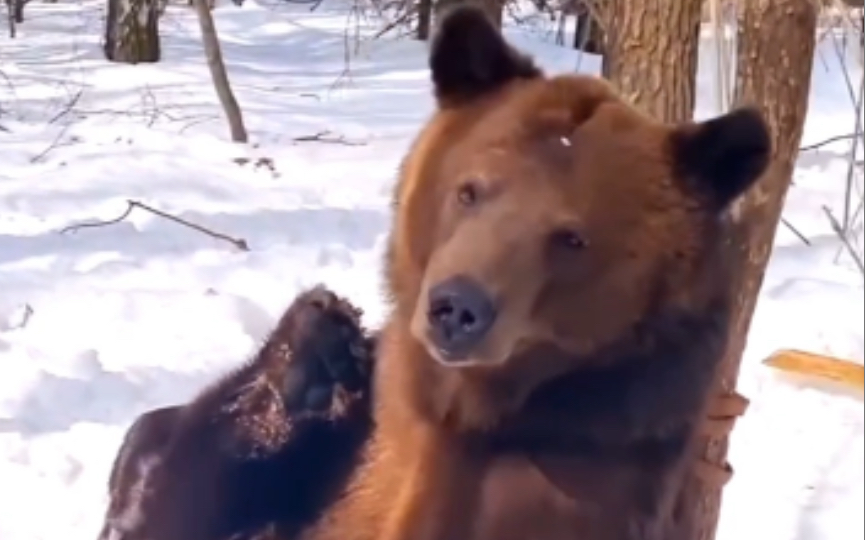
<point>218,73</point>
<point>10,18</point>
<point>424,19</point>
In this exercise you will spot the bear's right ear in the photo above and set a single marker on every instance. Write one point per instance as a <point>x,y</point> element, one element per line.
<point>470,58</point>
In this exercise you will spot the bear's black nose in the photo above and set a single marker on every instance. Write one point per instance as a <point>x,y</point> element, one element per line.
<point>460,314</point>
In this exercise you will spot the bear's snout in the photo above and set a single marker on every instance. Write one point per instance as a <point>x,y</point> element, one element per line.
<point>460,315</point>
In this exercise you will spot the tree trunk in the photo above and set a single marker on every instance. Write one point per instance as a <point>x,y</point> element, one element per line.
<point>424,19</point>
<point>18,10</point>
<point>132,31</point>
<point>10,19</point>
<point>776,40</point>
<point>588,33</point>
<point>218,73</point>
<point>651,54</point>
<point>210,3</point>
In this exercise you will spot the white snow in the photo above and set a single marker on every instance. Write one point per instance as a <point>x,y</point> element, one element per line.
<point>99,325</point>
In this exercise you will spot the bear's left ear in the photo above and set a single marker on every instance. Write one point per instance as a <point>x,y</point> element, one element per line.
<point>723,157</point>
<point>470,58</point>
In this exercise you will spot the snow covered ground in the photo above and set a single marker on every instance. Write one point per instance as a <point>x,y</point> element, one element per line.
<point>101,324</point>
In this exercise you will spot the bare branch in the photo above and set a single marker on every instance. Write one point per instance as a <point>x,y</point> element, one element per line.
<point>839,230</point>
<point>830,140</point>
<point>854,150</point>
<point>239,243</point>
<point>796,232</point>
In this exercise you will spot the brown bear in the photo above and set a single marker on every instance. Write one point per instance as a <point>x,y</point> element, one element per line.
<point>560,301</point>
<point>263,449</point>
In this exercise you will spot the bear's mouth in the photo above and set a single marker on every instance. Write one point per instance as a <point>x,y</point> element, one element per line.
<point>459,358</point>
<point>451,358</point>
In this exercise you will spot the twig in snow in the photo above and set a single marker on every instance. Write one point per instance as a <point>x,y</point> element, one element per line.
<point>22,322</point>
<point>68,108</point>
<point>196,122</point>
<point>56,143</point>
<point>328,137</point>
<point>839,230</point>
<point>239,243</point>
<point>25,318</point>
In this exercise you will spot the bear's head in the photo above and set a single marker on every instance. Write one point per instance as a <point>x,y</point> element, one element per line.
<point>540,220</point>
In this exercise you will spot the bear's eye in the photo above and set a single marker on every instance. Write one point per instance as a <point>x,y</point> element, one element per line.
<point>467,194</point>
<point>568,239</point>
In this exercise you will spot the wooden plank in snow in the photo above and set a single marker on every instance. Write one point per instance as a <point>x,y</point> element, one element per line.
<point>834,375</point>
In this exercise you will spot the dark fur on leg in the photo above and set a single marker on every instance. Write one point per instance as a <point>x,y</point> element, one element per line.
<point>140,452</point>
<point>265,448</point>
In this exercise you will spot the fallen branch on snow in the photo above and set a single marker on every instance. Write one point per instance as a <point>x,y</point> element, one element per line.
<point>328,137</point>
<point>239,243</point>
<point>17,320</point>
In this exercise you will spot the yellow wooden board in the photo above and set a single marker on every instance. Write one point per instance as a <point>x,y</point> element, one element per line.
<point>827,372</point>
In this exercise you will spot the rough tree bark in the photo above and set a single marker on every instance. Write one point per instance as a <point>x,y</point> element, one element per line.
<point>218,73</point>
<point>776,41</point>
<point>132,31</point>
<point>651,54</point>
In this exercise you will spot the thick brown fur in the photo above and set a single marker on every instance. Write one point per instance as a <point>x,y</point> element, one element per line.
<point>260,451</point>
<point>599,234</point>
